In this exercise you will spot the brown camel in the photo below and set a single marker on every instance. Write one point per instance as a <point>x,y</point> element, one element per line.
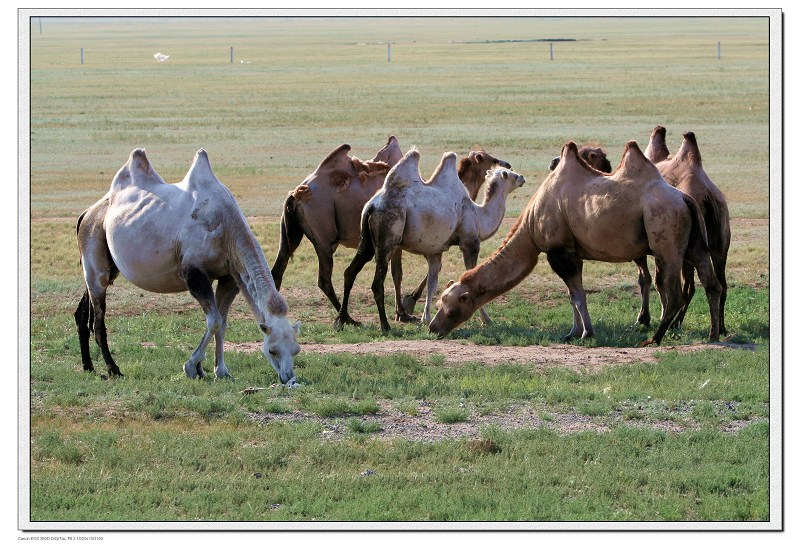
<point>685,172</point>
<point>425,218</point>
<point>167,238</point>
<point>581,214</point>
<point>326,208</point>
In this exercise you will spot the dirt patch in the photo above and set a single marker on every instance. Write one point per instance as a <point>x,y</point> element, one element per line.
<point>423,424</point>
<point>456,352</point>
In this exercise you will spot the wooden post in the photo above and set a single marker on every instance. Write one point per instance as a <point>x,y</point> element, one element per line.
<point>551,51</point>
<point>231,54</point>
<point>81,55</point>
<point>719,50</point>
<point>40,24</point>
<point>388,53</point>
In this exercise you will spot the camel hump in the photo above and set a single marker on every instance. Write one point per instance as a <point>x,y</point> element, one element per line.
<point>390,153</point>
<point>405,171</point>
<point>571,157</point>
<point>200,173</point>
<point>656,150</point>
<point>446,169</point>
<point>137,171</point>
<point>689,150</point>
<point>336,157</point>
<point>635,162</point>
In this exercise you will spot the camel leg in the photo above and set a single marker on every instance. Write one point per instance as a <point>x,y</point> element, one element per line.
<point>325,258</point>
<point>434,267</point>
<point>714,291</point>
<point>570,269</point>
<point>99,271</point>
<point>291,237</point>
<point>363,255</point>
<point>382,258</point>
<point>470,252</point>
<point>668,285</point>
<point>720,263</point>
<point>410,300</point>
<point>227,289</point>
<point>199,285</point>
<point>83,318</point>
<point>400,313</point>
<point>645,280</point>
<point>686,294</point>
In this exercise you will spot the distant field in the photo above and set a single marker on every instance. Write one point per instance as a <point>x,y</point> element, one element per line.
<point>300,87</point>
<point>683,437</point>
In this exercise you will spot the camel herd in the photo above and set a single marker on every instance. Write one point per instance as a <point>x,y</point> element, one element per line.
<point>651,204</point>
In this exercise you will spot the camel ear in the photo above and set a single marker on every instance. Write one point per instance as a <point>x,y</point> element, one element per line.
<point>505,174</point>
<point>449,284</point>
<point>296,328</point>
<point>264,328</point>
<point>479,157</point>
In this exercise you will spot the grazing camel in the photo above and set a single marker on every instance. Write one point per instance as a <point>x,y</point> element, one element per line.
<point>427,219</point>
<point>167,238</point>
<point>326,208</point>
<point>580,214</point>
<point>685,172</point>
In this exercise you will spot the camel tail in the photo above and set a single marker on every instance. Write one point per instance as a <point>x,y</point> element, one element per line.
<point>291,236</point>
<point>366,245</point>
<point>698,238</point>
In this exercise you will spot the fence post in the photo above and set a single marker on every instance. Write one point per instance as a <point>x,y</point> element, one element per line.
<point>551,51</point>
<point>81,55</point>
<point>719,50</point>
<point>388,53</point>
<point>231,54</point>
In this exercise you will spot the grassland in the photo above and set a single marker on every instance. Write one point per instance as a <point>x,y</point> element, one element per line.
<point>685,439</point>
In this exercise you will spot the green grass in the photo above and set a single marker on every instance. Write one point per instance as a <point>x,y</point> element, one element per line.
<point>280,472</point>
<point>155,446</point>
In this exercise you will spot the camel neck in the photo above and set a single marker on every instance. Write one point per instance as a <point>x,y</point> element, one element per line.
<point>256,281</point>
<point>491,213</point>
<point>506,268</point>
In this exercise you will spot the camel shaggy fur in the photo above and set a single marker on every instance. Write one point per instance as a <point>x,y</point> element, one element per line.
<point>167,238</point>
<point>581,214</point>
<point>425,218</point>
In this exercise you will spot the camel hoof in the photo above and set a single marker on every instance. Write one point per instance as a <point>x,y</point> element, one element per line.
<point>647,343</point>
<point>225,375</point>
<point>408,303</point>
<point>193,371</point>
<point>342,321</point>
<point>406,318</point>
<point>115,372</point>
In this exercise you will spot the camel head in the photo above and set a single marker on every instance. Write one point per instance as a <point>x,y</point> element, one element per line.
<point>456,305</point>
<point>656,150</point>
<point>280,348</point>
<point>594,156</point>
<point>502,178</point>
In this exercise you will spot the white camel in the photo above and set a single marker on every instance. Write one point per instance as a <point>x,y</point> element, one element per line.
<point>168,238</point>
<point>425,218</point>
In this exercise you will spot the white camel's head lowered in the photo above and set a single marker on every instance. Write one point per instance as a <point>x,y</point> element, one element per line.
<point>280,348</point>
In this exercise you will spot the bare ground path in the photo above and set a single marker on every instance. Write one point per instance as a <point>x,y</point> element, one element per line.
<point>422,424</point>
